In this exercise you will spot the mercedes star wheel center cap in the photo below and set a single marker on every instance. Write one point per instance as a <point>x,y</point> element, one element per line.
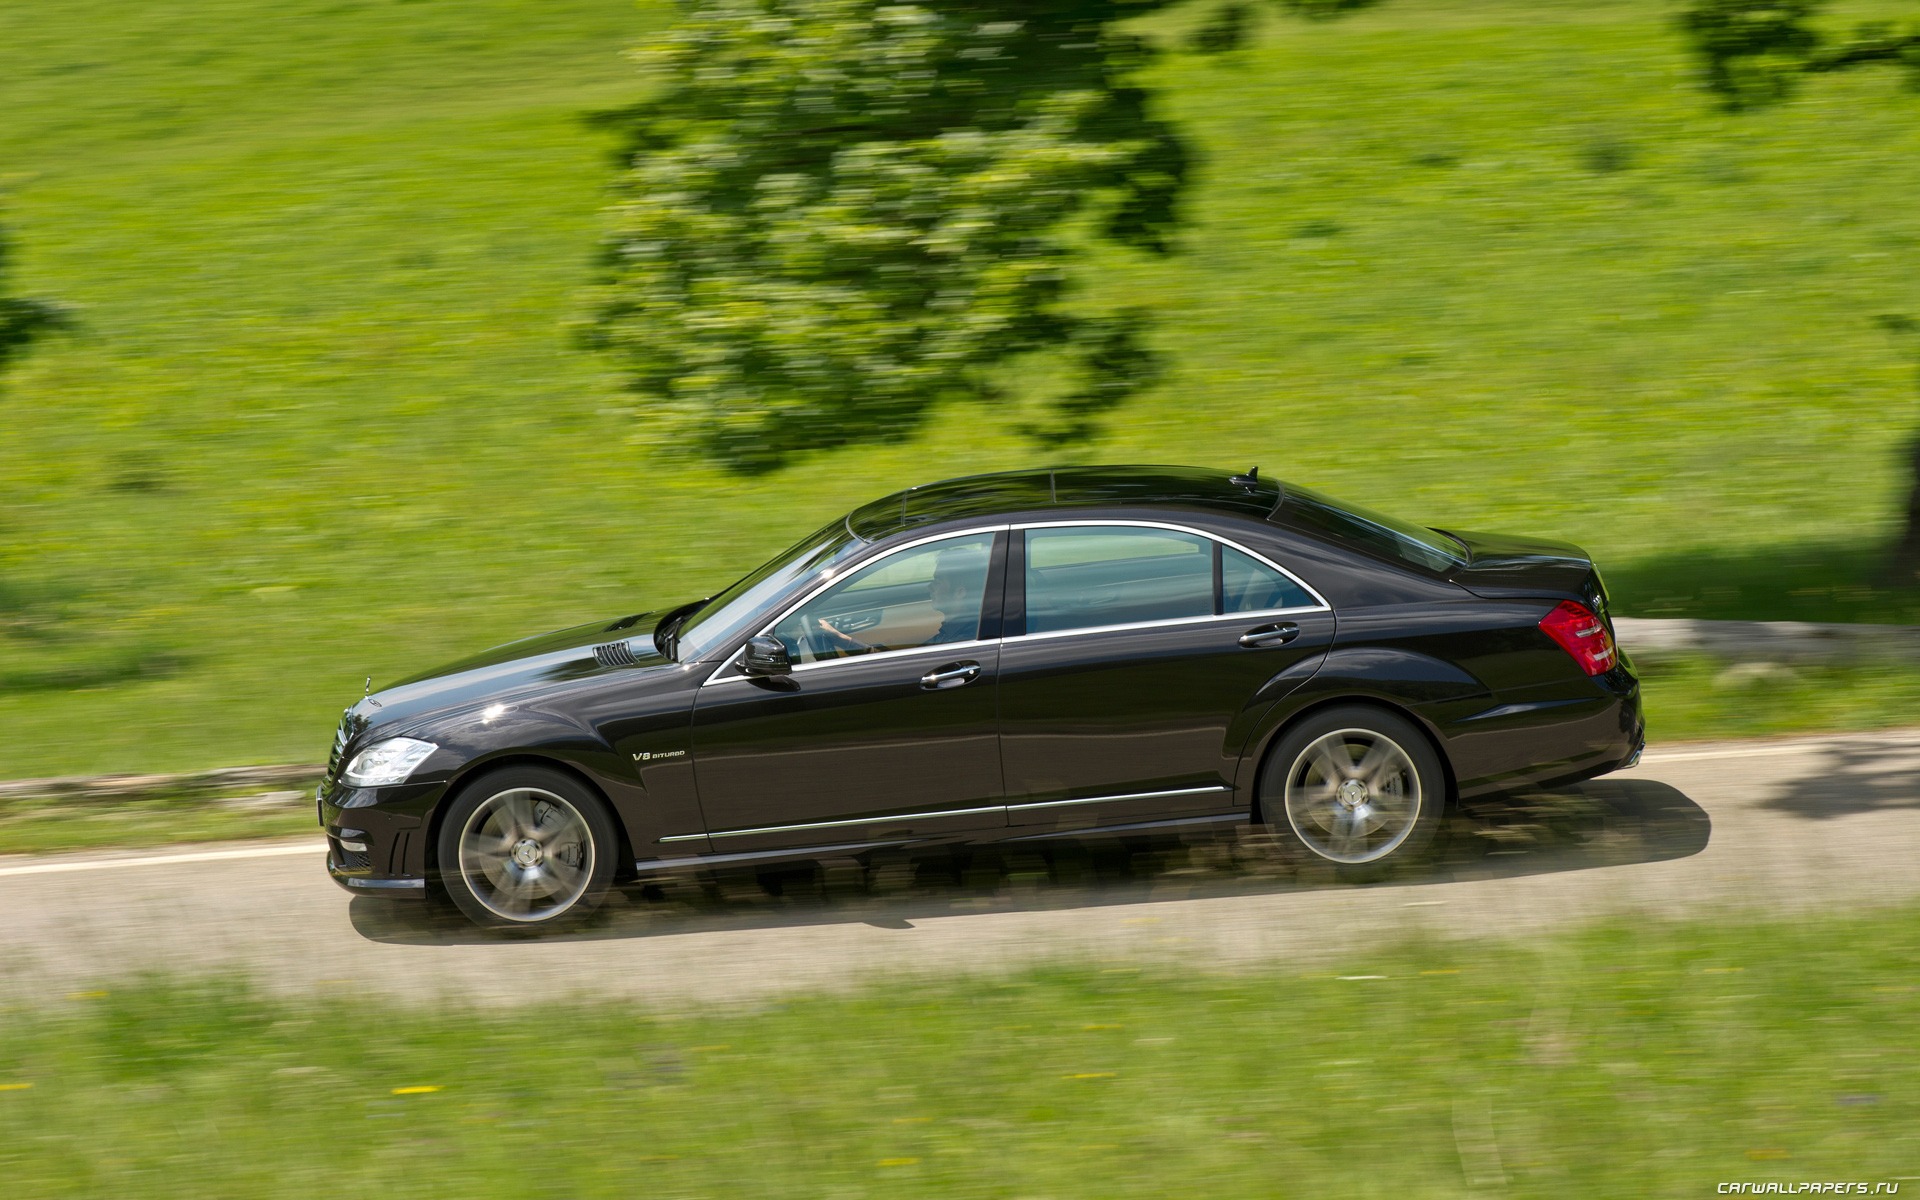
<point>526,853</point>
<point>1353,793</point>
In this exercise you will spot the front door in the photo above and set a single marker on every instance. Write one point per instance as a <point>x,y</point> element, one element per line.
<point>885,730</point>
<point>1142,653</point>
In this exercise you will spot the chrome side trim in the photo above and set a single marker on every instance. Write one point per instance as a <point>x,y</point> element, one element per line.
<point>1169,622</point>
<point>880,820</point>
<point>943,812</point>
<point>878,655</point>
<point>1320,602</point>
<point>1193,791</point>
<point>394,884</point>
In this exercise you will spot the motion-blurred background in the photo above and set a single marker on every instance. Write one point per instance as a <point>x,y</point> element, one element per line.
<point>339,338</point>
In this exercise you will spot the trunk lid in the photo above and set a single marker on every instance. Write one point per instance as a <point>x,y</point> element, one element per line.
<point>1503,567</point>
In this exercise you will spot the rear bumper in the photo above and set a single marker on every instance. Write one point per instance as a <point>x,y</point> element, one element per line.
<point>1633,760</point>
<point>376,837</point>
<point>1554,735</point>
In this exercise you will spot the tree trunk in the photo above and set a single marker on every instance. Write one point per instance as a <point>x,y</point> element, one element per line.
<point>1903,569</point>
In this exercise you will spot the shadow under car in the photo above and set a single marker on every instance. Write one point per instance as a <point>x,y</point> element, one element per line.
<point>1599,823</point>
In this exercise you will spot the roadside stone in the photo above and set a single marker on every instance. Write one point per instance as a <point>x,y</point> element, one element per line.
<point>1777,642</point>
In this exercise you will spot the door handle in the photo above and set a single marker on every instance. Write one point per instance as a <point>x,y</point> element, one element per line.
<point>1270,635</point>
<point>951,676</point>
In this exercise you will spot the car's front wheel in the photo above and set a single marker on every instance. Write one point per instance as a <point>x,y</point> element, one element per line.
<point>526,848</point>
<point>1357,787</point>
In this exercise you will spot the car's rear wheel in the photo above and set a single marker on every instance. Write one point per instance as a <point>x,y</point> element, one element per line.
<point>526,848</point>
<point>1355,787</point>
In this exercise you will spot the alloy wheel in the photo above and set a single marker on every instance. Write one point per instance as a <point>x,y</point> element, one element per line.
<point>526,854</point>
<point>1353,796</point>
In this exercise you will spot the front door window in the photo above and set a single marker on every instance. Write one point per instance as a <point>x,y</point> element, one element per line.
<point>927,596</point>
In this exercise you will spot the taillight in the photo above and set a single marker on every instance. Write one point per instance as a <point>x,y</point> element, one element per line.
<point>1582,635</point>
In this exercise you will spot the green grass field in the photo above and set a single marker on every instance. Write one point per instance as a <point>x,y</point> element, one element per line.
<point>1485,263</point>
<point>1631,1060</point>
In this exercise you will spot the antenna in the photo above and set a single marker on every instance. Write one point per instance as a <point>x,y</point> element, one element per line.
<point>1248,481</point>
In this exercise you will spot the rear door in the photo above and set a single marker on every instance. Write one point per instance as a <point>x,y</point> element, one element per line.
<point>1132,651</point>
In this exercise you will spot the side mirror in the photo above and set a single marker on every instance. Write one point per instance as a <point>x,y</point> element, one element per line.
<point>766,655</point>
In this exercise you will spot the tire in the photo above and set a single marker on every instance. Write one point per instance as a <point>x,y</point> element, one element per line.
<point>526,848</point>
<point>1399,799</point>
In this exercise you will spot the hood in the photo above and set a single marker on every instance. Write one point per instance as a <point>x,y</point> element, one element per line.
<point>516,669</point>
<point>1500,565</point>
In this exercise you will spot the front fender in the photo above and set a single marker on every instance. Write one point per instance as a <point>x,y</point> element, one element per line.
<point>536,736</point>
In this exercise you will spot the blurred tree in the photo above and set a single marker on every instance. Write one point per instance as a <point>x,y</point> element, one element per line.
<point>21,321</point>
<point>1225,29</point>
<point>1324,10</point>
<point>1754,53</point>
<point>838,213</point>
<point>1231,25</point>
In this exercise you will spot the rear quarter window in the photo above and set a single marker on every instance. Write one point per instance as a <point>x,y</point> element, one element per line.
<point>1248,585</point>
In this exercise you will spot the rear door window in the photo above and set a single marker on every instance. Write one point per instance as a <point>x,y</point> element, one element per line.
<point>1084,577</point>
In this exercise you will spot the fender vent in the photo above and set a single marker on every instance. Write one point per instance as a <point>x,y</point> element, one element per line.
<point>340,738</point>
<point>615,654</point>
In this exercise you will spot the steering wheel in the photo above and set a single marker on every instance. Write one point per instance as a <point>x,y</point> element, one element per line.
<point>855,622</point>
<point>803,639</point>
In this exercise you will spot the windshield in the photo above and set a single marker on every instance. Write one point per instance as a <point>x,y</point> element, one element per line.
<point>734,609</point>
<point>1374,531</point>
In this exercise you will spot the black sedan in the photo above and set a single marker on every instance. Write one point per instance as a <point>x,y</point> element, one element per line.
<point>1078,652</point>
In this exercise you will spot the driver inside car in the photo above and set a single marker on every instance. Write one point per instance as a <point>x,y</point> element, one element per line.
<point>954,593</point>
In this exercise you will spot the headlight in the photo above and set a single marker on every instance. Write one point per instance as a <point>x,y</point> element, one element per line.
<point>388,762</point>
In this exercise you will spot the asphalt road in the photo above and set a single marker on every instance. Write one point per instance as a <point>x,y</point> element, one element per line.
<point>1780,826</point>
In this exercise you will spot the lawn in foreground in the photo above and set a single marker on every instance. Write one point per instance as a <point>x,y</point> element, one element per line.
<point>1629,1060</point>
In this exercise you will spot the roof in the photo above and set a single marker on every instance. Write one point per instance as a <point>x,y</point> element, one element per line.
<point>1063,487</point>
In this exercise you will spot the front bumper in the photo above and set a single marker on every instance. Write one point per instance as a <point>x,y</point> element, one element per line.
<point>376,837</point>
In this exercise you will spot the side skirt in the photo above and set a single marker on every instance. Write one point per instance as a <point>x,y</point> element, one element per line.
<point>656,866</point>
